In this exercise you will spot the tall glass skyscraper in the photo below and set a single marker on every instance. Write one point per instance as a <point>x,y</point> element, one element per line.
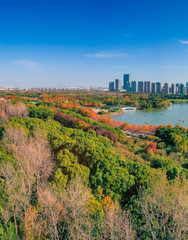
<point>117,85</point>
<point>173,88</point>
<point>133,86</point>
<point>111,86</point>
<point>181,89</point>
<point>141,86</point>
<point>148,86</point>
<point>158,87</point>
<point>153,87</point>
<point>126,82</point>
<point>166,88</point>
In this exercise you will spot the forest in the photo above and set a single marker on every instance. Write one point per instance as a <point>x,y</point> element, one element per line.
<point>67,172</point>
<point>104,100</point>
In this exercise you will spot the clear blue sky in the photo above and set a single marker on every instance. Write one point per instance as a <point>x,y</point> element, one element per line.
<point>47,43</point>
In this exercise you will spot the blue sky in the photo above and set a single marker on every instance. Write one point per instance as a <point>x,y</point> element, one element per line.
<point>90,42</point>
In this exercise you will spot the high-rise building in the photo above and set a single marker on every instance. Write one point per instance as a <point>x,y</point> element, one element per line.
<point>153,87</point>
<point>186,90</point>
<point>158,87</point>
<point>133,86</point>
<point>173,88</point>
<point>117,85</point>
<point>128,87</point>
<point>141,86</point>
<point>111,86</point>
<point>145,87</point>
<point>182,89</point>
<point>126,81</point>
<point>148,84</point>
<point>166,88</point>
<point>187,87</point>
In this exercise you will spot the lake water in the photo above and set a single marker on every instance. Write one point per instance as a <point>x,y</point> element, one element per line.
<point>175,114</point>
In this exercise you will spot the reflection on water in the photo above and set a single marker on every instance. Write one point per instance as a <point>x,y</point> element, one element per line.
<point>175,114</point>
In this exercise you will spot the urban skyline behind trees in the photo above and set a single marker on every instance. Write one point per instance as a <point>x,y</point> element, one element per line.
<point>147,86</point>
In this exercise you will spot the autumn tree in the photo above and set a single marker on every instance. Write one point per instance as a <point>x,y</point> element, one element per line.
<point>117,224</point>
<point>164,208</point>
<point>53,211</point>
<point>7,109</point>
<point>34,167</point>
<point>11,206</point>
<point>76,200</point>
<point>151,147</point>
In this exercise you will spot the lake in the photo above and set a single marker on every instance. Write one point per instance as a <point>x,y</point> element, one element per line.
<point>175,114</point>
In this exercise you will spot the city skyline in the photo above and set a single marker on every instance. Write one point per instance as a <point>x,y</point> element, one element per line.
<point>129,85</point>
<point>84,43</point>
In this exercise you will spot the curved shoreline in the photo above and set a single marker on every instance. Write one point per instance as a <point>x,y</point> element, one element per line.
<point>114,114</point>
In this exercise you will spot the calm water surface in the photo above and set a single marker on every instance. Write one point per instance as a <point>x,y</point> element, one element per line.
<point>175,114</point>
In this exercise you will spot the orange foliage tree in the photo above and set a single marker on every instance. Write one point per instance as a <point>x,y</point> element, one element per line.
<point>151,147</point>
<point>71,105</point>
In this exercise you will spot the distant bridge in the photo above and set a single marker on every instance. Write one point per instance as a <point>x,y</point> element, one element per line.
<point>129,108</point>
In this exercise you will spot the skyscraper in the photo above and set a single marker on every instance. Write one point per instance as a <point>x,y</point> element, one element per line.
<point>111,86</point>
<point>128,86</point>
<point>181,88</point>
<point>158,87</point>
<point>153,87</point>
<point>126,81</point>
<point>117,85</point>
<point>141,86</point>
<point>145,87</point>
<point>133,86</point>
<point>186,90</point>
<point>148,86</point>
<point>166,88</point>
<point>173,88</point>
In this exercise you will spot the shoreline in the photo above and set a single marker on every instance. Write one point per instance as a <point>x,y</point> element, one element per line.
<point>114,114</point>
<point>144,110</point>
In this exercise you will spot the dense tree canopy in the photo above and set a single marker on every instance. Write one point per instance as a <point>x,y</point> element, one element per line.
<point>68,173</point>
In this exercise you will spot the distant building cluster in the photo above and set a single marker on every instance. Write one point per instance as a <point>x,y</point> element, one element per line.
<point>147,86</point>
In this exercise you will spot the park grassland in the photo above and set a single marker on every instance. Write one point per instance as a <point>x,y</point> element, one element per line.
<point>179,100</point>
<point>67,173</point>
